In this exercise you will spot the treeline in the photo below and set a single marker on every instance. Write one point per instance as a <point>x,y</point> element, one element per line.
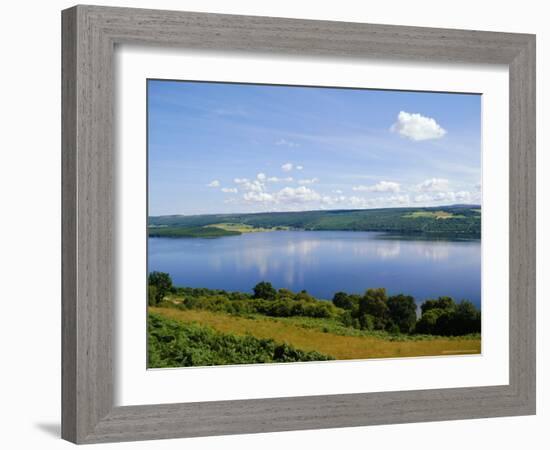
<point>465,220</point>
<point>173,344</point>
<point>375,310</point>
<point>372,311</point>
<point>191,232</point>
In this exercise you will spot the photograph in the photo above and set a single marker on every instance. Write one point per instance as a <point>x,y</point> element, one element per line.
<point>290,224</point>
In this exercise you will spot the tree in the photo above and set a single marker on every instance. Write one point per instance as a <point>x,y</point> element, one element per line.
<point>286,294</point>
<point>450,319</point>
<point>465,320</point>
<point>162,283</point>
<point>304,296</point>
<point>342,300</point>
<point>402,311</point>
<point>374,303</point>
<point>427,323</point>
<point>444,303</point>
<point>265,290</point>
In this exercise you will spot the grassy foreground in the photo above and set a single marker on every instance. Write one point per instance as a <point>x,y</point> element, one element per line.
<point>313,339</point>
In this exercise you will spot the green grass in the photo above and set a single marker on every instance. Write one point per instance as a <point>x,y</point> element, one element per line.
<point>296,334</point>
<point>244,228</point>
<point>174,343</point>
<point>434,214</point>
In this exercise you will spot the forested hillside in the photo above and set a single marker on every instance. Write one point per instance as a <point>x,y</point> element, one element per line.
<point>457,221</point>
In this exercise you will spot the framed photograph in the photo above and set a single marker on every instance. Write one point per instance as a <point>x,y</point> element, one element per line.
<point>278,224</point>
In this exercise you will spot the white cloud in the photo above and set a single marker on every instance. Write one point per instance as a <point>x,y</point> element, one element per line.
<point>287,143</point>
<point>434,185</point>
<point>300,194</point>
<point>444,197</point>
<point>214,183</point>
<point>337,191</point>
<point>299,167</point>
<point>229,190</point>
<point>280,180</point>
<point>308,181</point>
<point>261,176</point>
<point>463,196</point>
<point>287,167</point>
<point>417,127</point>
<point>254,186</point>
<point>383,186</point>
<point>378,202</point>
<point>240,180</point>
<point>287,195</point>
<point>258,197</point>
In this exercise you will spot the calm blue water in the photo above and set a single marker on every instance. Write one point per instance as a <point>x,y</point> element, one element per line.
<point>323,262</point>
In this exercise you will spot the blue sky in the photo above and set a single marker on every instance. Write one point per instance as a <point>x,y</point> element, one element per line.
<point>224,148</point>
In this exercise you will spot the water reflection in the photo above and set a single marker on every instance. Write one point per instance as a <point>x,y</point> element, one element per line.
<point>323,263</point>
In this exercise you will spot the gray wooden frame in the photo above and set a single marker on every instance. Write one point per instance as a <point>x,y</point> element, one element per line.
<point>89,36</point>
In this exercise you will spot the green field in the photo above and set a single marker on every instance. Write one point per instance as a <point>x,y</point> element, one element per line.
<point>434,215</point>
<point>316,341</point>
<point>460,222</point>
<point>243,228</point>
<point>199,326</point>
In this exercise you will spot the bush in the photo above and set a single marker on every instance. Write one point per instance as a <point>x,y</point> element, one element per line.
<point>427,323</point>
<point>265,291</point>
<point>174,344</point>
<point>446,318</point>
<point>367,322</point>
<point>152,296</point>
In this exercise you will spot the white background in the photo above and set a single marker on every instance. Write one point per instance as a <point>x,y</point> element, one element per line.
<point>30,225</point>
<point>134,385</point>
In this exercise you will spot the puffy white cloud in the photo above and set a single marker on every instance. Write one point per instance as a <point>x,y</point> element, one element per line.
<point>417,127</point>
<point>287,143</point>
<point>261,176</point>
<point>287,195</point>
<point>337,191</point>
<point>254,186</point>
<point>433,185</point>
<point>383,186</point>
<point>240,180</point>
<point>298,167</point>
<point>214,183</point>
<point>287,167</point>
<point>230,190</point>
<point>308,181</point>
<point>300,194</point>
<point>280,180</point>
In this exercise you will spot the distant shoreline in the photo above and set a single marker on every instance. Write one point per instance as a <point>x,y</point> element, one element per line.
<point>454,222</point>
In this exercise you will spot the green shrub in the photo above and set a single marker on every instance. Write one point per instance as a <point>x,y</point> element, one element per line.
<point>174,344</point>
<point>162,283</point>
